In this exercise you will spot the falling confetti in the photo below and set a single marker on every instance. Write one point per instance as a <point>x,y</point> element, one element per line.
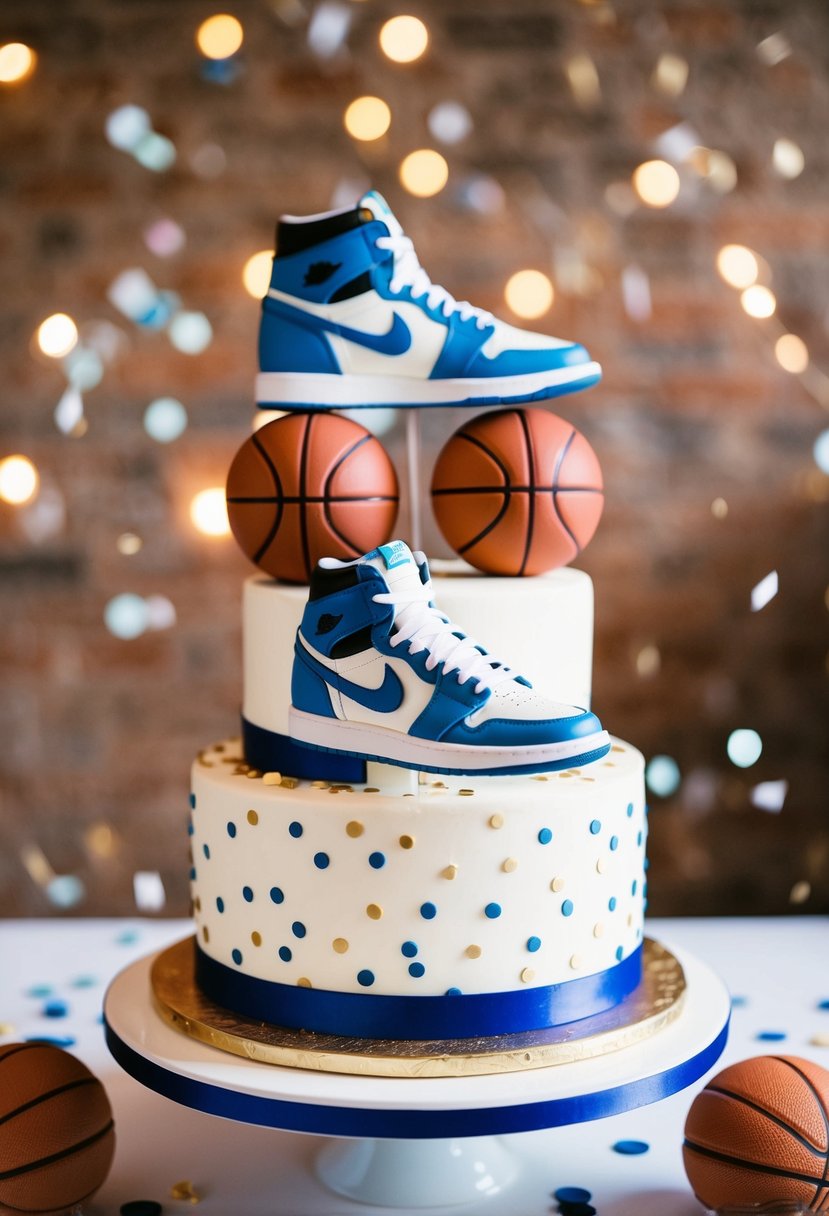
<point>764,592</point>
<point>185,1192</point>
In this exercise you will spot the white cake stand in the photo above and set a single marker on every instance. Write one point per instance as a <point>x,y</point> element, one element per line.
<point>423,1142</point>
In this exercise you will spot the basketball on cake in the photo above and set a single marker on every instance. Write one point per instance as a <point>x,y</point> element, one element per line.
<point>308,486</point>
<point>56,1130</point>
<point>759,1134</point>
<point>517,492</point>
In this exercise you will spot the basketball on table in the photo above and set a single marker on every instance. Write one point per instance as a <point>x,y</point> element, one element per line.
<point>56,1130</point>
<point>308,486</point>
<point>517,492</point>
<point>759,1134</point>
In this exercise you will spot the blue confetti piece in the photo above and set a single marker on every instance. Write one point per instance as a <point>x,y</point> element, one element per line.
<point>55,1009</point>
<point>84,981</point>
<point>823,1004</point>
<point>38,991</point>
<point>771,1036</point>
<point>630,1148</point>
<point>52,1040</point>
<point>572,1194</point>
<point>739,1002</point>
<point>128,938</point>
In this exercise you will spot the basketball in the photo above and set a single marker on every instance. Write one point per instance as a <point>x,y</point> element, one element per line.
<point>308,486</point>
<point>757,1134</point>
<point>56,1130</point>
<point>517,492</point>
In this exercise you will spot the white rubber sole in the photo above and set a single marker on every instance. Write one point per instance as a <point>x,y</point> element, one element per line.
<point>311,390</point>
<point>381,743</point>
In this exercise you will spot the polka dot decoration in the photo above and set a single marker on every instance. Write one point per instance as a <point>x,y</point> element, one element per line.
<point>428,911</point>
<point>492,911</point>
<point>377,860</point>
<point>545,836</point>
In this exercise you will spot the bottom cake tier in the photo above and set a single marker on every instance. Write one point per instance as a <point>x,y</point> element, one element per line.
<point>416,909</point>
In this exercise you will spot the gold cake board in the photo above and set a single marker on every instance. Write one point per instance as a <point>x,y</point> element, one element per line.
<point>655,1004</point>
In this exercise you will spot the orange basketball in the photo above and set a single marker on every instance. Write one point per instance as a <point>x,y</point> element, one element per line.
<point>517,492</point>
<point>759,1133</point>
<point>56,1131</point>
<point>309,486</point>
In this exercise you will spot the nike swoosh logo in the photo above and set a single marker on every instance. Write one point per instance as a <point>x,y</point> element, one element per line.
<point>396,340</point>
<point>383,700</point>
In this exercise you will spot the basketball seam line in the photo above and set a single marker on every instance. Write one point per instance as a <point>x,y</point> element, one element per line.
<point>326,499</point>
<point>778,1171</point>
<point>294,500</point>
<point>515,490</point>
<point>522,419</point>
<point>559,462</point>
<point>22,1047</point>
<point>821,1108</point>
<point>64,1152</point>
<point>727,1093</point>
<point>504,505</point>
<point>277,481</point>
<point>303,520</point>
<point>52,1093</point>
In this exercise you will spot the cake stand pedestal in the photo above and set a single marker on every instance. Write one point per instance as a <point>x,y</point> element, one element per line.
<point>415,1142</point>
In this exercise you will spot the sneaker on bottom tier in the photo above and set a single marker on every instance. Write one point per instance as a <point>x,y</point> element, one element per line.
<point>380,673</point>
<point>352,319</point>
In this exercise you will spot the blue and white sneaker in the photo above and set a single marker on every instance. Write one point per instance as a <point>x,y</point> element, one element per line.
<point>380,673</point>
<point>352,319</point>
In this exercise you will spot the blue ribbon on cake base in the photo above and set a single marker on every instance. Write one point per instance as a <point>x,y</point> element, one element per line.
<point>367,1016</point>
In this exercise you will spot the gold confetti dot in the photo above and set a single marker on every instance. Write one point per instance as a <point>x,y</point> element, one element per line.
<point>608,764</point>
<point>527,975</point>
<point>630,919</point>
<point>509,865</point>
<point>496,821</point>
<point>339,945</point>
<point>575,961</point>
<point>302,982</point>
<point>371,789</point>
<point>354,829</point>
<point>271,778</point>
<point>617,748</point>
<point>290,783</point>
<point>563,775</point>
<point>197,903</point>
<point>541,777</point>
<point>407,842</point>
<point>7,1028</point>
<point>256,938</point>
<point>231,760</point>
<point>253,773</point>
<point>598,929</point>
<point>219,747</point>
<point>439,785</point>
<point>253,818</point>
<point>473,951</point>
<point>586,779</point>
<point>466,793</point>
<point>374,911</point>
<point>240,770</point>
<point>319,785</point>
<point>601,865</point>
<point>449,872</point>
<point>185,1192</point>
<point>557,884</point>
<point>820,1040</point>
<point>205,932</point>
<point>333,789</point>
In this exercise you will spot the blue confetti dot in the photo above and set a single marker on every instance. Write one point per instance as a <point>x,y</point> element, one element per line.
<point>630,1148</point>
<point>190,829</point>
<point>322,861</point>
<point>646,864</point>
<point>634,887</point>
<point>128,938</point>
<point>377,860</point>
<point>193,801</point>
<point>453,992</point>
<point>39,991</point>
<point>614,843</point>
<point>298,929</point>
<point>236,955</point>
<point>52,1039</point>
<point>277,895</point>
<point>408,949</point>
<point>771,1036</point>
<point>595,827</point>
<point>611,904</point>
<point>192,873</point>
<point>365,978</point>
<point>533,944</point>
<point>545,836</point>
<point>286,953</point>
<point>572,1194</point>
<point>428,911</point>
<point>738,1002</point>
<point>220,904</point>
<point>619,953</point>
<point>823,1004</point>
<point>247,895</point>
<point>295,830</point>
<point>492,911</point>
<point>84,981</point>
<point>231,830</point>
<point>55,1009</point>
<point>206,850</point>
<point>567,908</point>
<point>416,970</point>
<point>630,810</point>
<point>639,838</point>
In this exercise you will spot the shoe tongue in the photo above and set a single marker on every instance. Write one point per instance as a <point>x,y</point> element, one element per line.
<point>379,208</point>
<point>397,565</point>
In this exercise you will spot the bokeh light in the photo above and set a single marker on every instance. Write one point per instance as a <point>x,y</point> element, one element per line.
<point>744,748</point>
<point>190,332</point>
<point>449,121</point>
<point>155,152</point>
<point>219,36</point>
<point>164,238</point>
<point>68,413</point>
<point>19,480</point>
<point>738,266</point>
<point>404,39</point>
<point>424,172</point>
<point>787,158</point>
<point>529,294</point>
<point>208,512</point>
<point>765,591</point>
<point>662,775</point>
<point>648,661</point>
<point>758,301</point>
<point>791,353</point>
<point>656,182</point>
<point>820,451</point>
<point>57,335</point>
<point>719,508</point>
<point>125,616</point>
<point>129,543</point>
<point>256,273</point>
<point>17,62</point>
<point>670,74</point>
<point>161,612</point>
<point>770,796</point>
<point>367,118</point>
<point>165,419</point>
<point>126,126</point>
<point>65,891</point>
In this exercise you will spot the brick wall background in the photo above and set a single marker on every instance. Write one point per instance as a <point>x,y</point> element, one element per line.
<point>98,733</point>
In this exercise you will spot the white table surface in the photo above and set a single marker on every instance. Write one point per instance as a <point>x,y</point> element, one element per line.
<point>778,968</point>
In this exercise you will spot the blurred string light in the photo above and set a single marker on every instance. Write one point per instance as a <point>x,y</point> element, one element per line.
<point>738,266</point>
<point>328,28</point>
<point>404,39</point>
<point>69,415</point>
<point>424,172</point>
<point>101,840</point>
<point>787,158</point>
<point>129,543</point>
<point>126,616</point>
<point>670,75</point>
<point>769,796</point>
<point>65,891</point>
<point>256,273</point>
<point>57,335</point>
<point>367,118</point>
<point>765,591</point>
<point>208,512</point>
<point>164,237</point>
<point>648,662</point>
<point>621,198</point>
<point>800,892</point>
<point>190,332</point>
<point>19,480</point>
<point>529,294</point>
<point>161,612</point>
<point>719,508</point>
<point>129,129</point>
<point>716,167</point>
<point>744,748</point>
<point>583,80</point>
<point>792,353</point>
<point>17,62</point>
<point>219,36</point>
<point>449,122</point>
<point>678,143</point>
<point>820,451</point>
<point>662,775</point>
<point>656,182</point>
<point>758,301</point>
<point>165,419</point>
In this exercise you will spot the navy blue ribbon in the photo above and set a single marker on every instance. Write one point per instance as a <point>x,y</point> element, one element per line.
<point>366,1016</point>
<point>412,1124</point>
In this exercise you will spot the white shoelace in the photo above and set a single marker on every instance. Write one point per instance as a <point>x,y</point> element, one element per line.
<point>409,273</point>
<point>425,628</point>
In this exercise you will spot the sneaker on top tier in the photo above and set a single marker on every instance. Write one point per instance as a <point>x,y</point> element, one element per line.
<point>351,318</point>
<point>380,673</point>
